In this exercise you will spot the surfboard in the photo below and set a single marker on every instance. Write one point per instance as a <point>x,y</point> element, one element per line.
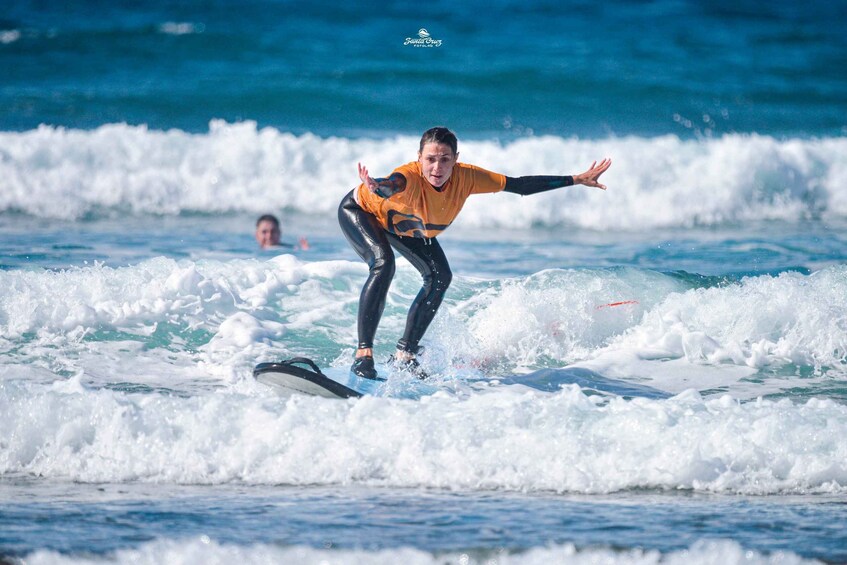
<point>302,376</point>
<point>291,377</point>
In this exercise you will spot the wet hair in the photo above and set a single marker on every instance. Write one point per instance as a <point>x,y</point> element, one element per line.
<point>268,218</point>
<point>440,134</point>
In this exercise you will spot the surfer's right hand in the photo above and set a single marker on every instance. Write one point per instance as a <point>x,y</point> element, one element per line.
<point>367,180</point>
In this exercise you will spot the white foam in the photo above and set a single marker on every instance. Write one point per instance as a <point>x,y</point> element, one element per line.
<point>719,334</point>
<point>135,299</point>
<point>505,439</point>
<point>654,182</point>
<point>762,321</point>
<point>181,28</point>
<point>8,36</point>
<point>235,312</point>
<point>173,324</point>
<point>204,551</point>
<point>131,323</point>
<point>560,315</point>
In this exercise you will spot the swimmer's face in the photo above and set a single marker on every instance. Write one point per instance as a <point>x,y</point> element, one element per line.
<point>437,161</point>
<point>267,234</point>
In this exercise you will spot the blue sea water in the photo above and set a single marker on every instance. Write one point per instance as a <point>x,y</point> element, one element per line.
<point>654,373</point>
<point>503,69</point>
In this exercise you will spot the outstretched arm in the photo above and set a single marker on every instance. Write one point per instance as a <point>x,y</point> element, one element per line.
<point>534,184</point>
<point>383,187</point>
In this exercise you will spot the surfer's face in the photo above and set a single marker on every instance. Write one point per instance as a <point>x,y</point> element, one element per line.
<point>437,161</point>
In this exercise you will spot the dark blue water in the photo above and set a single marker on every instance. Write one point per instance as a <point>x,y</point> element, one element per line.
<point>113,517</point>
<point>503,69</point>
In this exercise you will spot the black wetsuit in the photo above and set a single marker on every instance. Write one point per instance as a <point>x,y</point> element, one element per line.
<point>373,244</point>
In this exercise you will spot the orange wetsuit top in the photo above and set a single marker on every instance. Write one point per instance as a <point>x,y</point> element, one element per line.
<point>422,211</point>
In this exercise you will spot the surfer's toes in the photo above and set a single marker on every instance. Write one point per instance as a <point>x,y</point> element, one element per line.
<point>364,367</point>
<point>408,365</point>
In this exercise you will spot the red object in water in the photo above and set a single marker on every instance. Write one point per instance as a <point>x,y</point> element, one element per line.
<point>621,303</point>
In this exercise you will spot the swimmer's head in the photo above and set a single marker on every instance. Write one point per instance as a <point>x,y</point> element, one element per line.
<point>268,233</point>
<point>437,155</point>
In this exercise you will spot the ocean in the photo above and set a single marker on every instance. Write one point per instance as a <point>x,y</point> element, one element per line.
<point>656,373</point>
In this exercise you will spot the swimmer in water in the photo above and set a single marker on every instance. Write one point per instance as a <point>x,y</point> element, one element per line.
<point>269,235</point>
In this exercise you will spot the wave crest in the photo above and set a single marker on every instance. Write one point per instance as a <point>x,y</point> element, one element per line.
<point>655,182</point>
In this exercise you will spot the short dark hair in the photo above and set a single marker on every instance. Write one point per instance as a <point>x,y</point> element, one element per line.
<point>440,134</point>
<point>268,218</point>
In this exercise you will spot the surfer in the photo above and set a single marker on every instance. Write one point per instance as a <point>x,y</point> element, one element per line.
<point>406,211</point>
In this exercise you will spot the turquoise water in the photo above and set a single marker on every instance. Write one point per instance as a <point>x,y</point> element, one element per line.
<point>706,287</point>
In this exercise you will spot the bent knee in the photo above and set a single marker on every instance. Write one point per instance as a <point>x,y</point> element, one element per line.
<point>446,277</point>
<point>382,264</point>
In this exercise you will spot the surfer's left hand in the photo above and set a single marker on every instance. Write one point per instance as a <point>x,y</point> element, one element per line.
<point>591,176</point>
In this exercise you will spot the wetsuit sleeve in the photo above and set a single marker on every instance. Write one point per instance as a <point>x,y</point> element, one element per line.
<point>535,184</point>
<point>388,187</point>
